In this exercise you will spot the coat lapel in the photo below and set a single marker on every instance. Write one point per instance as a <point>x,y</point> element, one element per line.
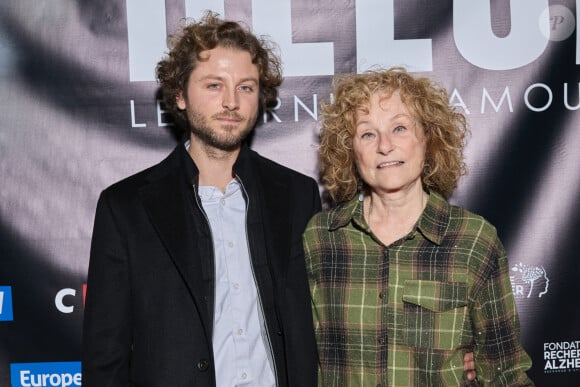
<point>271,206</point>
<point>168,201</point>
<point>278,225</point>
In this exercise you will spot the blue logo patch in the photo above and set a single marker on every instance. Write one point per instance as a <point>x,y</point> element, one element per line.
<point>6,303</point>
<point>61,374</point>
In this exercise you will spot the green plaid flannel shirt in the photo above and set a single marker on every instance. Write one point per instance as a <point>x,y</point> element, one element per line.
<point>405,314</point>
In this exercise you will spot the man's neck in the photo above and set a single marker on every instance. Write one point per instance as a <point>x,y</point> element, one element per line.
<point>215,165</point>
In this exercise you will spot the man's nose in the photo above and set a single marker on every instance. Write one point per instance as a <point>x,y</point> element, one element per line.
<point>230,100</point>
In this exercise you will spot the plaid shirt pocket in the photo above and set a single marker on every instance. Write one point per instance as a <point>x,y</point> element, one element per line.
<point>435,313</point>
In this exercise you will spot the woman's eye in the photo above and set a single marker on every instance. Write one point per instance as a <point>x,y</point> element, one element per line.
<point>367,135</point>
<point>399,129</point>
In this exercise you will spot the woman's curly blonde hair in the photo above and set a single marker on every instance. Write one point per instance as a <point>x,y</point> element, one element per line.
<point>173,72</point>
<point>428,102</point>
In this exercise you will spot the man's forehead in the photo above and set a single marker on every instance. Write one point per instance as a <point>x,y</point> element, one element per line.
<point>227,60</point>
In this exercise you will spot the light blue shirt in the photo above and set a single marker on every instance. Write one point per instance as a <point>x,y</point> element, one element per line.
<point>240,352</point>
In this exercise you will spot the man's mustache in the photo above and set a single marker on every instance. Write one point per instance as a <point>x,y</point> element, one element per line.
<point>228,115</point>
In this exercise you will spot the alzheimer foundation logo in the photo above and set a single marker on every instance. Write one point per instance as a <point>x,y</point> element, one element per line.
<point>61,374</point>
<point>529,281</point>
<point>562,356</point>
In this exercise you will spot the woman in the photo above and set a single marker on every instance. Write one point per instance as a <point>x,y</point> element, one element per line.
<point>403,284</point>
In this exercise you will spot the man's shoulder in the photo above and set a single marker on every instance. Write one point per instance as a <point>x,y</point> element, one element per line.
<point>133,183</point>
<point>279,183</point>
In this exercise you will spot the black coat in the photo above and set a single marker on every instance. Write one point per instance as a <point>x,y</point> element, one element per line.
<point>149,303</point>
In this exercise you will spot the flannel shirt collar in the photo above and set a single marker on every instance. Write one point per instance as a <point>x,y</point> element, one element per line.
<point>431,224</point>
<point>346,212</point>
<point>435,218</point>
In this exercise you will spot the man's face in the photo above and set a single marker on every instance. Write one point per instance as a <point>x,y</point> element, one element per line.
<point>222,97</point>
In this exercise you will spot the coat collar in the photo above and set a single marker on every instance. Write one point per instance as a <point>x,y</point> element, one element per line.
<point>241,168</point>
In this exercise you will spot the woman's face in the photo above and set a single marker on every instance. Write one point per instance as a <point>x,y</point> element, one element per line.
<point>389,145</point>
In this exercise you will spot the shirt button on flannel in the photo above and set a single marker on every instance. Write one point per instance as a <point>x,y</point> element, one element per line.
<point>381,340</point>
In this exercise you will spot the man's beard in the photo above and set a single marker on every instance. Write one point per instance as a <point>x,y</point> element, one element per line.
<point>227,138</point>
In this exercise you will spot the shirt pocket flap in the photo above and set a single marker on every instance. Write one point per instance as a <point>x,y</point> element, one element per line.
<point>434,295</point>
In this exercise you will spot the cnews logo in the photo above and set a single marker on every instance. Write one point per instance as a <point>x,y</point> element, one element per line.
<point>64,299</point>
<point>529,281</point>
<point>63,374</point>
<point>6,303</point>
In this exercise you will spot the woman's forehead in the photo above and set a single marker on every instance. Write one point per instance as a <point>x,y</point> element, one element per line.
<point>385,101</point>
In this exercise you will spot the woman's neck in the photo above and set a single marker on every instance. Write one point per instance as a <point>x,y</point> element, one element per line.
<point>392,216</point>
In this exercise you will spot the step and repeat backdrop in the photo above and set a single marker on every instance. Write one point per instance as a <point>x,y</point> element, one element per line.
<point>79,111</point>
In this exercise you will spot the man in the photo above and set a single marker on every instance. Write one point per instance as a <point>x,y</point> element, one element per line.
<point>196,275</point>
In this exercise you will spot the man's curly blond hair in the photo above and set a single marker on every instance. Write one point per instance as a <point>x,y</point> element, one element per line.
<point>428,103</point>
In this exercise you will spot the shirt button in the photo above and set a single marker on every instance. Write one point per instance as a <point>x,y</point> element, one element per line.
<point>382,295</point>
<point>236,286</point>
<point>381,340</point>
<point>240,331</point>
<point>223,202</point>
<point>244,375</point>
<point>230,244</point>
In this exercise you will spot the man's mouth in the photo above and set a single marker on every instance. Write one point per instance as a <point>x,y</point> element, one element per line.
<point>228,117</point>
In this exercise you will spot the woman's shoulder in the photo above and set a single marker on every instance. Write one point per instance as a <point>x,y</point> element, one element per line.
<point>463,215</point>
<point>333,217</point>
<point>471,227</point>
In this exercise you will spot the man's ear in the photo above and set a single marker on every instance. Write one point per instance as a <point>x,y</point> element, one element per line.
<point>180,101</point>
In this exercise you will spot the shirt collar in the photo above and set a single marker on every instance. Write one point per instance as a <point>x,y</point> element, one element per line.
<point>346,212</point>
<point>435,218</point>
<point>213,194</point>
<point>241,167</point>
<point>432,223</point>
<point>190,169</point>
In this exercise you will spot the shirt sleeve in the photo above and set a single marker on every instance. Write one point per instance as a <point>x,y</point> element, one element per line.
<point>500,359</point>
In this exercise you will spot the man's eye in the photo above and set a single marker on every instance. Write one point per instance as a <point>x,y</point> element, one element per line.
<point>213,86</point>
<point>246,88</point>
